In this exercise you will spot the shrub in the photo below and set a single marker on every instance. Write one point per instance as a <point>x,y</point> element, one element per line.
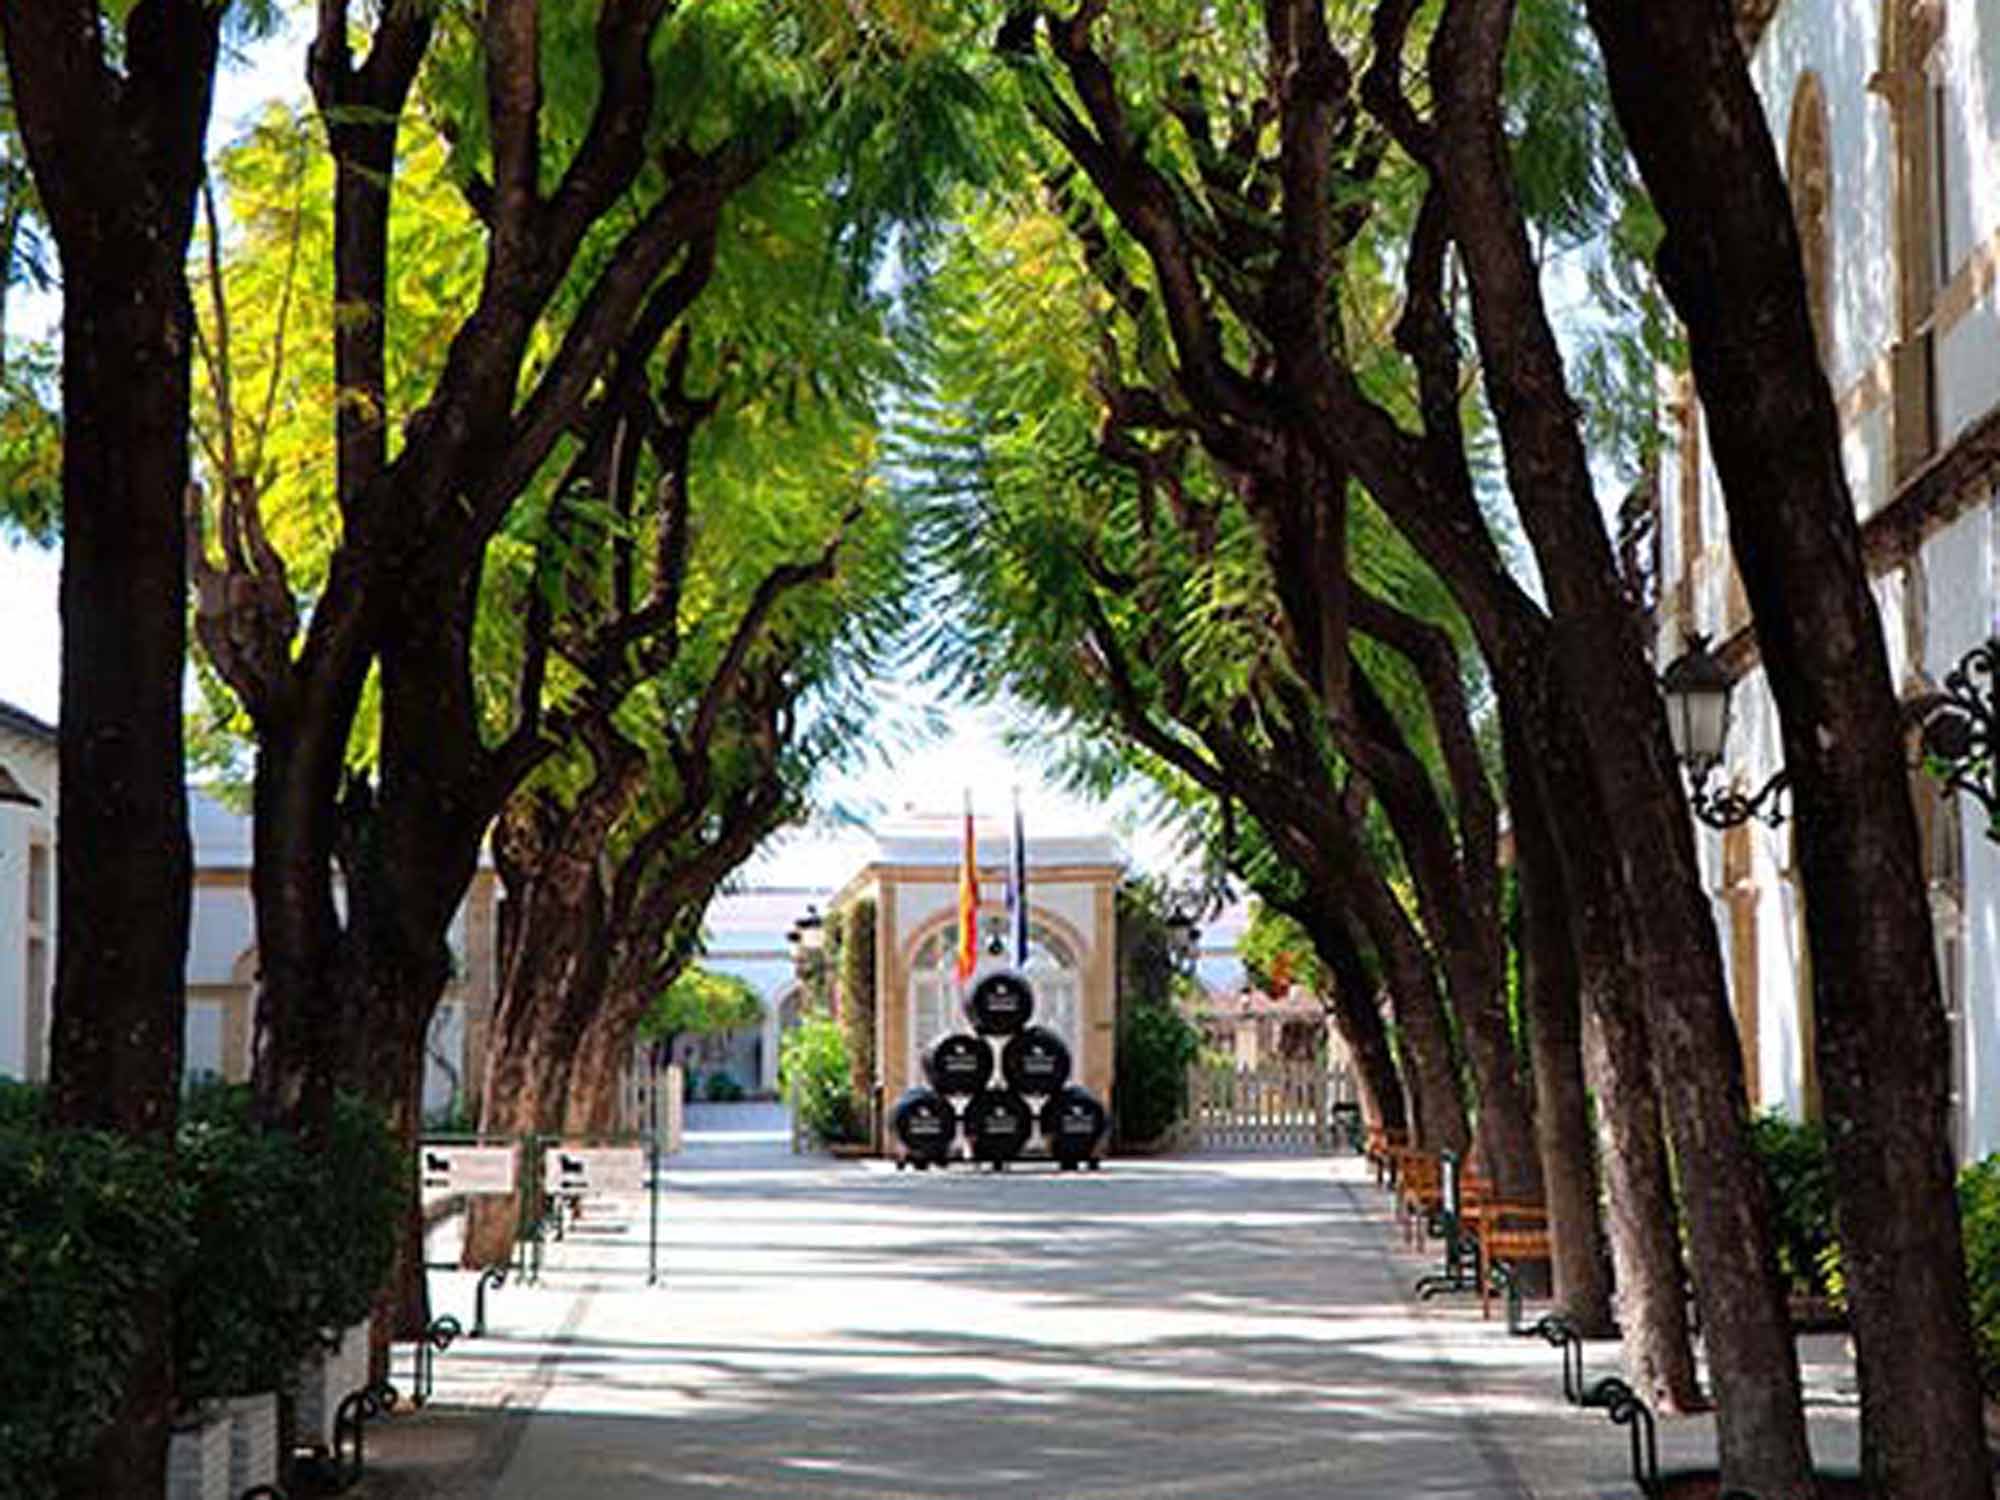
<point>814,1062</point>
<point>286,1242</point>
<point>1979,1208</point>
<point>722,1088</point>
<point>352,1209</point>
<point>245,1305</point>
<point>1801,1184</point>
<point>20,1103</point>
<point>857,994</point>
<point>260,1244</point>
<point>88,1223</point>
<point>1156,1046</point>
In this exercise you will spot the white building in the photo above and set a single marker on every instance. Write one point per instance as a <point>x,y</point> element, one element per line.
<point>1888,117</point>
<point>27,893</point>
<point>909,868</point>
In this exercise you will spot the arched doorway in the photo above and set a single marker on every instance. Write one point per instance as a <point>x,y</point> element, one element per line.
<point>933,995</point>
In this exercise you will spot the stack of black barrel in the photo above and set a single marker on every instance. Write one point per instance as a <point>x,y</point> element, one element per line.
<point>999,1118</point>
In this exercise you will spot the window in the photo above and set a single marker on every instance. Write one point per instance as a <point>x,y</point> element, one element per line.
<point>1910,32</point>
<point>38,885</point>
<point>202,1052</point>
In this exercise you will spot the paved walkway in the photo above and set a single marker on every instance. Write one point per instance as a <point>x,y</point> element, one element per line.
<point>1209,1329</point>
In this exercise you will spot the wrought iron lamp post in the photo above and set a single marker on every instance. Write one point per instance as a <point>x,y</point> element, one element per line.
<point>808,941</point>
<point>12,791</point>
<point>1697,689</point>
<point>1958,729</point>
<point>1183,939</point>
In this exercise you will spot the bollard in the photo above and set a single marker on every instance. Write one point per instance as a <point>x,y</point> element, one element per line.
<point>494,1276</point>
<point>443,1331</point>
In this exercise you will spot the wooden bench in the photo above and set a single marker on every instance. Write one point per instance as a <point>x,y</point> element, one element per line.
<point>1381,1148</point>
<point>1463,1195</point>
<point>1509,1234</point>
<point>1419,1179</point>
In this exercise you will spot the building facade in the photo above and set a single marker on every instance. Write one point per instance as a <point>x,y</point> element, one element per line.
<point>1072,940</point>
<point>1887,117</point>
<point>27,894</point>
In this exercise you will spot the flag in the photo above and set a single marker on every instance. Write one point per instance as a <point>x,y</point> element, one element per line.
<point>1017,891</point>
<point>968,902</point>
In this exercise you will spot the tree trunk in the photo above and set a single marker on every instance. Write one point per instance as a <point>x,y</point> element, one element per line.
<point>117,155</point>
<point>1359,1018</point>
<point>1429,1059</point>
<point>1552,997</point>
<point>598,1072</point>
<point>1730,263</point>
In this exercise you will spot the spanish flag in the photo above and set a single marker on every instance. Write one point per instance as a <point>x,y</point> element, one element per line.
<point>968,902</point>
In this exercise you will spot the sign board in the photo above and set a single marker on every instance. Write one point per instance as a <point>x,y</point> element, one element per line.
<point>594,1169</point>
<point>465,1169</point>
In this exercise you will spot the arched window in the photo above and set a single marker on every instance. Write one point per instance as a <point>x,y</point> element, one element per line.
<point>1809,171</point>
<point>934,1008</point>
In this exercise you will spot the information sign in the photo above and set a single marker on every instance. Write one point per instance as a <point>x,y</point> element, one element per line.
<point>465,1169</point>
<point>594,1169</point>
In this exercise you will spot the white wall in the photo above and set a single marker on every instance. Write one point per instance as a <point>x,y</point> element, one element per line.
<point>33,763</point>
<point>1840,42</point>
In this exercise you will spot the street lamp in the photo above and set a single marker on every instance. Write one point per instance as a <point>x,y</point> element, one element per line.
<point>1697,688</point>
<point>808,940</point>
<point>1183,939</point>
<point>12,791</point>
<point>1958,730</point>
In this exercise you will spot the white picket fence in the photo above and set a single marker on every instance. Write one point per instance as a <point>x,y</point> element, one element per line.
<point>1277,1107</point>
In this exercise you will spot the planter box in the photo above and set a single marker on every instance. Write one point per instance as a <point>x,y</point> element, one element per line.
<point>323,1380</point>
<point>198,1459</point>
<point>253,1441</point>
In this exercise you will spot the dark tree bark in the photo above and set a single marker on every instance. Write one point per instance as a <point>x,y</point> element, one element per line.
<point>117,157</point>
<point>1641,1214</point>
<point>1552,997</point>
<point>1356,1011</point>
<point>1730,264</point>
<point>554,964</point>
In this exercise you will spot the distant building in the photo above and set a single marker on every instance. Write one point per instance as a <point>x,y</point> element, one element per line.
<point>910,873</point>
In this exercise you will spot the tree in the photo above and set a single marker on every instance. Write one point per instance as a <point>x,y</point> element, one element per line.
<point>113,127</point>
<point>604,192</point>
<point>1277,953</point>
<point>1730,264</point>
<point>700,1002</point>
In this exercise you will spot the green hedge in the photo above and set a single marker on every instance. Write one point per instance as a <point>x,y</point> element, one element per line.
<point>1800,1175</point>
<point>857,998</point>
<point>88,1223</point>
<point>815,1066</point>
<point>260,1245</point>
<point>1979,1208</point>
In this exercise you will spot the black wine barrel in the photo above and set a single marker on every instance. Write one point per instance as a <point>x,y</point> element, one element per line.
<point>1073,1123</point>
<point>1035,1061</point>
<point>959,1064</point>
<point>1000,1004</point>
<point>924,1123</point>
<point>997,1123</point>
